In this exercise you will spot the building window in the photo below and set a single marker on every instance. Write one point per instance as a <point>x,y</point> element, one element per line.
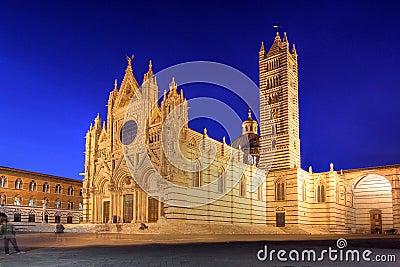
<point>80,192</point>
<point>242,187</point>
<point>70,191</point>
<point>260,191</point>
<point>45,203</point>
<point>58,189</point>
<point>57,219</point>
<point>32,186</point>
<point>304,191</point>
<point>70,205</point>
<point>17,217</point>
<point>3,200</point>
<point>31,218</point>
<point>18,184</point>
<point>3,182</point>
<point>196,176</point>
<point>69,219</point>
<point>57,204</point>
<point>221,181</point>
<point>32,202</point>
<point>321,193</point>
<point>273,145</point>
<point>280,190</point>
<point>46,187</point>
<point>80,206</point>
<point>17,201</point>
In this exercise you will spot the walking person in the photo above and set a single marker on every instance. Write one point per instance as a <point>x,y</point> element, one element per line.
<point>60,234</point>
<point>8,231</point>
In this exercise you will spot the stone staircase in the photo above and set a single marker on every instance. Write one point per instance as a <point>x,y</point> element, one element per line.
<point>164,227</point>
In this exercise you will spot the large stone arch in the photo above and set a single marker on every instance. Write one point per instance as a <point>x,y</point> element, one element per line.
<point>120,177</point>
<point>372,203</point>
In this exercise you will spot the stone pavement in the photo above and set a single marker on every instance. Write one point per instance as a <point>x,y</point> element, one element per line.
<point>76,249</point>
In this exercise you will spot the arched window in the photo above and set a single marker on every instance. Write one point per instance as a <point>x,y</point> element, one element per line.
<point>221,181</point>
<point>46,187</point>
<point>17,217</point>
<point>273,145</point>
<point>18,183</point>
<point>80,192</point>
<point>280,190</point>
<point>3,182</point>
<point>70,191</point>
<point>58,189</point>
<point>31,217</point>
<point>45,203</point>
<point>57,204</point>
<point>32,186</point>
<point>3,200</point>
<point>32,202</point>
<point>196,176</point>
<point>17,201</point>
<point>70,205</point>
<point>321,193</point>
<point>242,186</point>
<point>260,190</point>
<point>80,206</point>
<point>304,191</point>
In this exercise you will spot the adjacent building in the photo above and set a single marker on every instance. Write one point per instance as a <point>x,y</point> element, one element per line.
<point>27,196</point>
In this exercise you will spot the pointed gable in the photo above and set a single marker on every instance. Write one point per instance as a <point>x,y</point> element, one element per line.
<point>129,86</point>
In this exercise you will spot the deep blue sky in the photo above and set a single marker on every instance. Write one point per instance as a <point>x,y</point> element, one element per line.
<point>58,61</point>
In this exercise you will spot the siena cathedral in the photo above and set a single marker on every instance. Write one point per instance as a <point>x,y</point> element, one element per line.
<point>257,179</point>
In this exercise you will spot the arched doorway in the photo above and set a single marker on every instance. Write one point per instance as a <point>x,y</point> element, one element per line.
<point>373,204</point>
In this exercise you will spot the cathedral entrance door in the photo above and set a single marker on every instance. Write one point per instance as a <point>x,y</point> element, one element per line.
<point>153,210</point>
<point>106,211</point>
<point>128,208</point>
<point>376,221</point>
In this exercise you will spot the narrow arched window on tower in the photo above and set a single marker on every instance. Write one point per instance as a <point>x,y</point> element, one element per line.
<point>280,190</point>
<point>242,187</point>
<point>304,191</point>
<point>321,193</point>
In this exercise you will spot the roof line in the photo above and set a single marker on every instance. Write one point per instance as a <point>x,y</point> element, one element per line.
<point>2,168</point>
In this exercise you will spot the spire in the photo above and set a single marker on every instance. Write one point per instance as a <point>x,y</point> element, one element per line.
<point>149,72</point>
<point>294,52</point>
<point>129,66</point>
<point>97,121</point>
<point>262,49</point>
<point>285,39</point>
<point>205,132</point>
<point>277,37</point>
<point>115,85</point>
<point>249,114</point>
<point>173,86</point>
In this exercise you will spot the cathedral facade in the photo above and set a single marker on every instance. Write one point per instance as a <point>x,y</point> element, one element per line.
<point>257,179</point>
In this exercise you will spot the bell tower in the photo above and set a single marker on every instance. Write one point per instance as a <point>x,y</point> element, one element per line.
<point>279,108</point>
